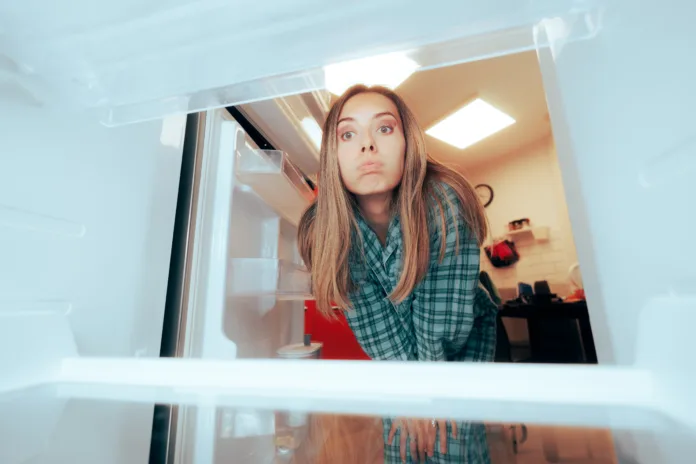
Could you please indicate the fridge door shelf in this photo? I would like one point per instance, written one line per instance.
(283, 122)
(265, 277)
(276, 180)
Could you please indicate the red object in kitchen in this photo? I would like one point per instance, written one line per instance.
(339, 341)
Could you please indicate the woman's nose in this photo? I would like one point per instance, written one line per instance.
(368, 145)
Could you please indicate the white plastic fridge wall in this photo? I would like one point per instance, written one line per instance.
(86, 221)
(621, 107)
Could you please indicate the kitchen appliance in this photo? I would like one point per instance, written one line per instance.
(128, 222)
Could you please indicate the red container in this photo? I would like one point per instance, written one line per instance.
(339, 341)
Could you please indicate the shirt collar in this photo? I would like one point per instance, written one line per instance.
(370, 237)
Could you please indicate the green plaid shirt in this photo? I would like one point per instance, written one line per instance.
(447, 317)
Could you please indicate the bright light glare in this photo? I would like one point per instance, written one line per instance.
(386, 70)
(312, 129)
(472, 123)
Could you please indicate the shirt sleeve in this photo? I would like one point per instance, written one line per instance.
(444, 313)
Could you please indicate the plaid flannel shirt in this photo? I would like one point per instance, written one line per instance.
(449, 316)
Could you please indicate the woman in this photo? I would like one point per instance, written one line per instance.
(394, 239)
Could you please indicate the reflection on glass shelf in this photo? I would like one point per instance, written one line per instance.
(263, 277)
(276, 180)
(49, 425)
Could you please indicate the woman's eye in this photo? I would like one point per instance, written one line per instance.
(346, 136)
(386, 130)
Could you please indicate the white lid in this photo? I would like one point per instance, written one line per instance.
(299, 350)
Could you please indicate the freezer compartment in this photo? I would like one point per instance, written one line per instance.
(269, 277)
(137, 61)
(264, 411)
(276, 180)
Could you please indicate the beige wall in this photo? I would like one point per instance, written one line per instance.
(528, 184)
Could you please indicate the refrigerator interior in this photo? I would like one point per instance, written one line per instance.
(87, 214)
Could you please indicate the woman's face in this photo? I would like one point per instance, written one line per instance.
(371, 144)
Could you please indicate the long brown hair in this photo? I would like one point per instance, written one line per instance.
(326, 228)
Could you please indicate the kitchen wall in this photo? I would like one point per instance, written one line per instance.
(527, 184)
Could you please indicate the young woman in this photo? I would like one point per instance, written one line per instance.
(394, 239)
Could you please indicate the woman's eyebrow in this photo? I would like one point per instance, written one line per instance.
(378, 115)
(384, 113)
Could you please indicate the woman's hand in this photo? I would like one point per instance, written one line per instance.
(422, 433)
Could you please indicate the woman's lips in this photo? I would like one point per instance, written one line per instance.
(370, 166)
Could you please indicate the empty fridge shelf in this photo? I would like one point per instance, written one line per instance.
(264, 277)
(276, 180)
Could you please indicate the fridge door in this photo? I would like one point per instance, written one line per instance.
(245, 285)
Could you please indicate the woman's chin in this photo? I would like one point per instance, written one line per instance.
(374, 187)
(373, 190)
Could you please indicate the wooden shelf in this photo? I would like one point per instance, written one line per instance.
(539, 234)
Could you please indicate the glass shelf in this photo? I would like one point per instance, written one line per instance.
(50, 423)
(276, 180)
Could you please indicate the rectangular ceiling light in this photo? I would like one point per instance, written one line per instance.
(313, 131)
(472, 123)
(388, 70)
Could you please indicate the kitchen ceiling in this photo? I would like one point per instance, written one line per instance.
(511, 83)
